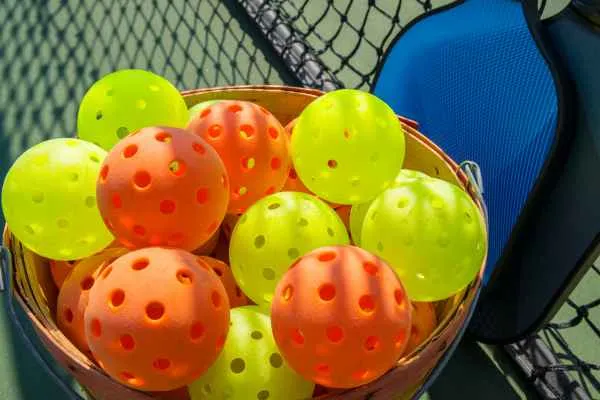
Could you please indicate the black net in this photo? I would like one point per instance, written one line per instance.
(330, 44)
(563, 359)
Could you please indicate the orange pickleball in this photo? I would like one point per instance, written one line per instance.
(163, 187)
(237, 298)
(60, 270)
(253, 146)
(340, 316)
(157, 318)
(424, 322)
(73, 296)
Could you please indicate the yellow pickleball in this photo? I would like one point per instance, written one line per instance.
(250, 365)
(347, 146)
(358, 211)
(49, 199)
(273, 233)
(431, 233)
(125, 101)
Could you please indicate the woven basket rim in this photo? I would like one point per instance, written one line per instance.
(387, 382)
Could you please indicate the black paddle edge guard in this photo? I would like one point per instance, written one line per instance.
(297, 54)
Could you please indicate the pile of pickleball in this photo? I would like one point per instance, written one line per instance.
(214, 248)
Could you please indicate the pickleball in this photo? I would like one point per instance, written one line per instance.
(424, 322)
(73, 296)
(273, 233)
(347, 146)
(156, 318)
(49, 199)
(358, 212)
(431, 233)
(253, 146)
(127, 100)
(250, 366)
(163, 187)
(341, 317)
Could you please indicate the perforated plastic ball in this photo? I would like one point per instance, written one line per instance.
(358, 212)
(197, 108)
(60, 270)
(253, 146)
(341, 317)
(273, 233)
(250, 366)
(163, 186)
(236, 297)
(424, 322)
(73, 296)
(431, 233)
(157, 318)
(49, 199)
(126, 100)
(347, 146)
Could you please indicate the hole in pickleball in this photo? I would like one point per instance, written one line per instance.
(164, 137)
(268, 274)
(257, 335)
(327, 256)
(259, 241)
(327, 292)
(37, 197)
(155, 310)
(130, 151)
(122, 132)
(127, 342)
(276, 360)
(117, 297)
(142, 179)
(185, 277)
(167, 206)
(273, 133)
(177, 167)
(237, 365)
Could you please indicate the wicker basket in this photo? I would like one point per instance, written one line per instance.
(29, 283)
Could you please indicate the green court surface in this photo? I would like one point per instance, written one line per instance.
(51, 53)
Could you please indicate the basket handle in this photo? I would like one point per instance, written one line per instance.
(6, 287)
(475, 181)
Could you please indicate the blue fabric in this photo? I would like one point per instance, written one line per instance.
(474, 79)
